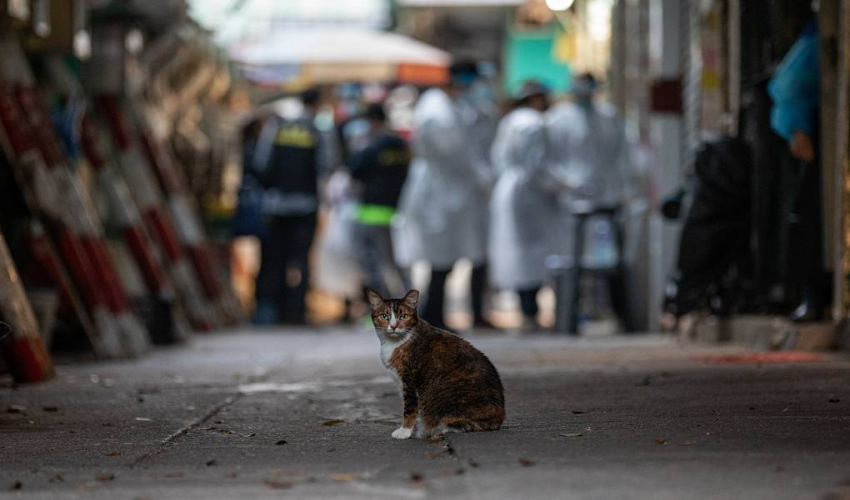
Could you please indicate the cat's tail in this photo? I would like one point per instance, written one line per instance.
(487, 418)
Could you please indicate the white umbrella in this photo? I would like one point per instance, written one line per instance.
(325, 55)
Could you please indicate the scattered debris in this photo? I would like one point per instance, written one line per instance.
(417, 478)
(277, 484)
(448, 449)
(474, 464)
(330, 450)
(834, 400)
(140, 399)
(571, 434)
(57, 479)
(526, 462)
(332, 422)
(212, 462)
(143, 419)
(460, 471)
(50, 409)
(113, 454)
(344, 476)
(645, 382)
(230, 475)
(16, 409)
(660, 441)
(281, 442)
(16, 486)
(105, 478)
(578, 412)
(686, 443)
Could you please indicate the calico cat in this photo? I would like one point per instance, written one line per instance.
(446, 383)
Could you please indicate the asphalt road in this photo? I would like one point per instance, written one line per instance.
(308, 414)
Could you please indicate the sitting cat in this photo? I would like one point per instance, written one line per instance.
(446, 383)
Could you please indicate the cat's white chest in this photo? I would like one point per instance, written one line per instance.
(388, 347)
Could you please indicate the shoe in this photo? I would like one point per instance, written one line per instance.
(482, 324)
(807, 311)
(529, 325)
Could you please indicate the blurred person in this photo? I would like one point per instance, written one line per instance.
(381, 168)
(287, 161)
(444, 202)
(590, 154)
(795, 90)
(524, 209)
(588, 145)
(248, 219)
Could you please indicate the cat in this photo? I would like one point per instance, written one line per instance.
(447, 385)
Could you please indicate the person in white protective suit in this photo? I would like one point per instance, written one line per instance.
(588, 146)
(590, 155)
(443, 208)
(524, 210)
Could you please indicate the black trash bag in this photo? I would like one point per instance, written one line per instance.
(714, 243)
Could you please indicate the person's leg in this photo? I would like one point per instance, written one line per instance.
(528, 302)
(806, 246)
(432, 311)
(394, 278)
(370, 256)
(271, 278)
(301, 232)
(477, 289)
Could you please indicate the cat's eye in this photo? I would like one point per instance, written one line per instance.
(385, 317)
(404, 317)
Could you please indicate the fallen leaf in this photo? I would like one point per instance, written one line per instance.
(16, 409)
(526, 462)
(660, 441)
(57, 479)
(834, 400)
(230, 475)
(281, 442)
(570, 434)
(212, 462)
(417, 477)
(16, 486)
(332, 422)
(105, 478)
(277, 484)
(113, 454)
(50, 409)
(474, 464)
(686, 443)
(344, 476)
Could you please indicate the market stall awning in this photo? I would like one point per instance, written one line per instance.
(341, 55)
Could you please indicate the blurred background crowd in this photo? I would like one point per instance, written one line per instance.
(174, 166)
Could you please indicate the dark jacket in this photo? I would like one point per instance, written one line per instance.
(382, 168)
(287, 166)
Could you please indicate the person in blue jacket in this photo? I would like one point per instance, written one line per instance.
(795, 91)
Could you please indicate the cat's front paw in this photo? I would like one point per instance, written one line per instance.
(402, 433)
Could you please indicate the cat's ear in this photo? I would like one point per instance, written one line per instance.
(411, 300)
(375, 298)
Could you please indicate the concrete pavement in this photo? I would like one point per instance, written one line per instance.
(308, 414)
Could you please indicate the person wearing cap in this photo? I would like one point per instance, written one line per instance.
(444, 202)
(524, 208)
(287, 165)
(381, 169)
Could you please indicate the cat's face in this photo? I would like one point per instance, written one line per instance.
(394, 318)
